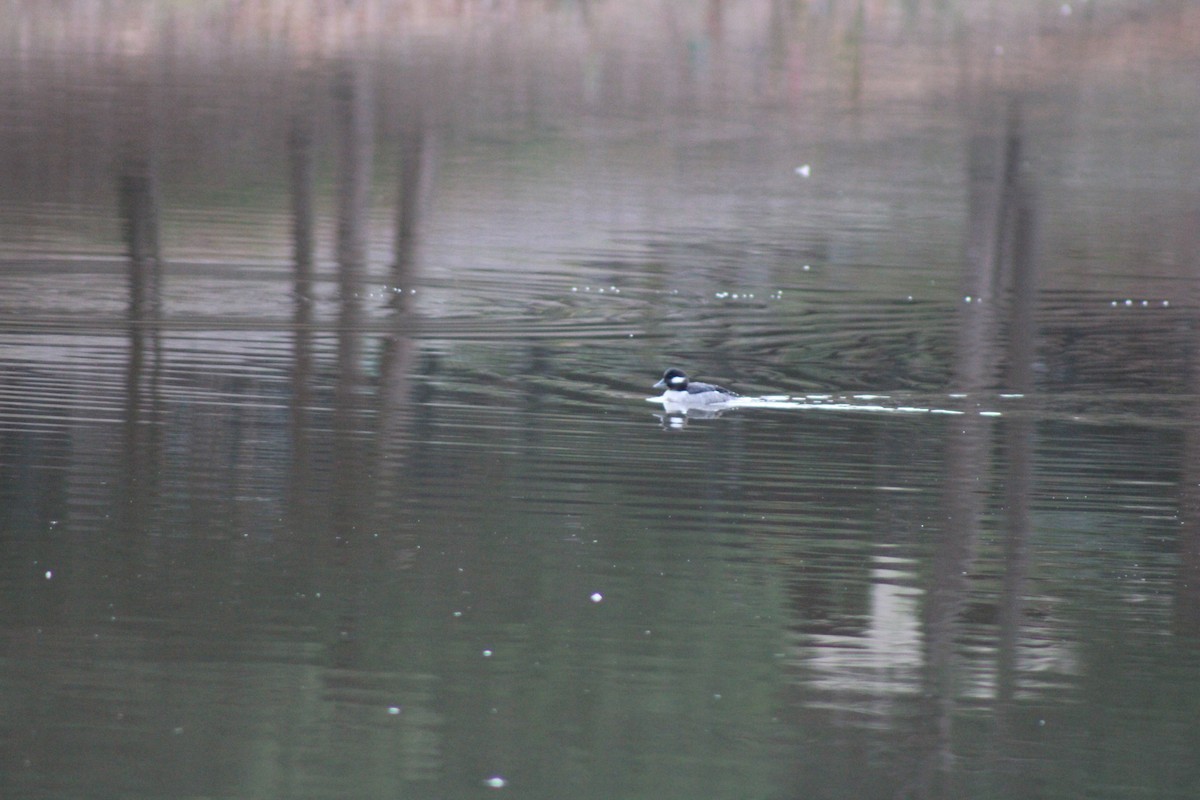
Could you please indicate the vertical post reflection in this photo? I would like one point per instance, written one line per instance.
(419, 151)
(138, 206)
(138, 193)
(1020, 353)
(1187, 602)
(992, 249)
(354, 144)
(418, 154)
(355, 151)
(301, 161)
(138, 202)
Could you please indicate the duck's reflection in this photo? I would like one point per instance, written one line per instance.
(676, 417)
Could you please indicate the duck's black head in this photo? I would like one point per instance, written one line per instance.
(673, 379)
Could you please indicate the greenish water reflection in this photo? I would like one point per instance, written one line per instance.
(325, 463)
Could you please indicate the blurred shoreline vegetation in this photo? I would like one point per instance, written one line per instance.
(601, 56)
(223, 83)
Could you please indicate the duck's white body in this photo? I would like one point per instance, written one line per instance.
(679, 391)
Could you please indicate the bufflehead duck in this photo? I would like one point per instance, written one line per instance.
(681, 391)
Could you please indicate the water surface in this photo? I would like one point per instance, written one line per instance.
(326, 466)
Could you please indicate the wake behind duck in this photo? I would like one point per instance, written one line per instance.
(693, 398)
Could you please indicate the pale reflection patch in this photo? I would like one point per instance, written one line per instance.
(884, 659)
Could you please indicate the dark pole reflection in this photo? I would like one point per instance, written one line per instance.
(301, 160)
(368, 427)
(418, 155)
(301, 168)
(138, 206)
(1020, 354)
(355, 151)
(994, 244)
(419, 152)
(138, 194)
(1187, 604)
(351, 546)
(140, 220)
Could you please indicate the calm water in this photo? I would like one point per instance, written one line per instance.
(326, 466)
